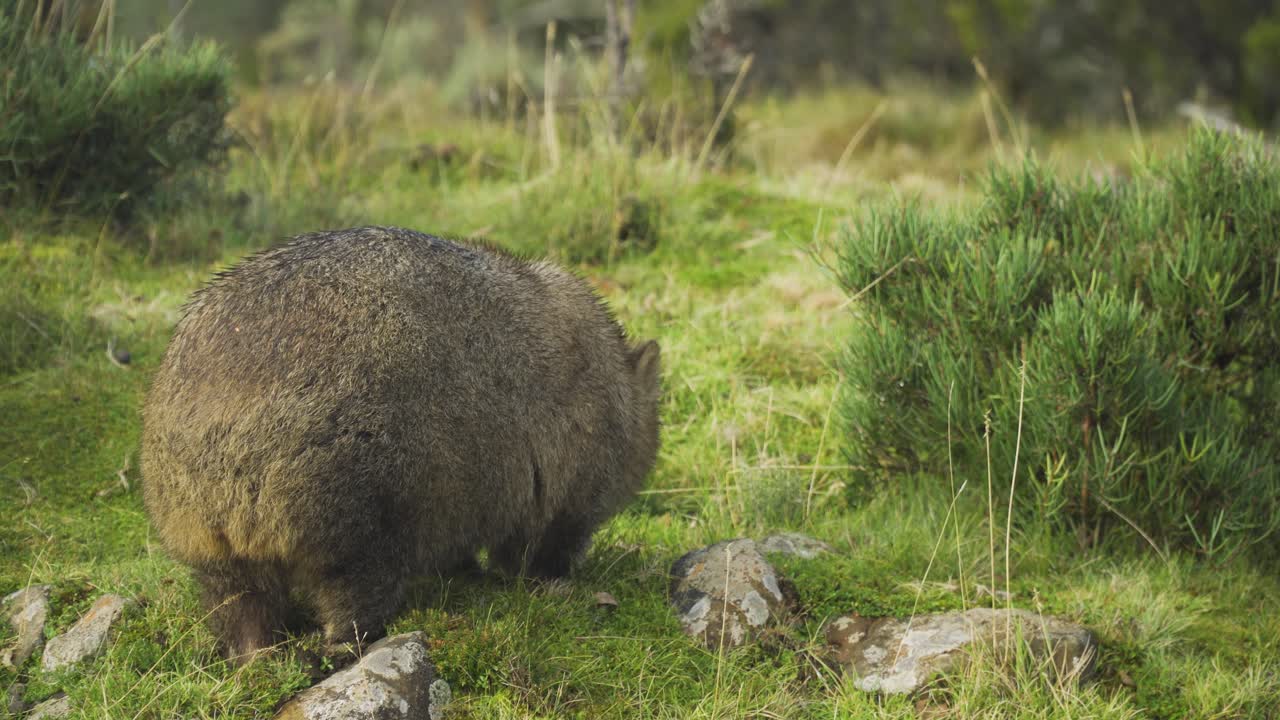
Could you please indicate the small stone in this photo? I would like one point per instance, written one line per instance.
(86, 637)
(55, 707)
(28, 609)
(394, 679)
(892, 655)
(726, 593)
(16, 704)
(796, 544)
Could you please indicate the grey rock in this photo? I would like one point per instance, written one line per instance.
(726, 593)
(893, 655)
(796, 544)
(54, 707)
(27, 609)
(394, 679)
(86, 637)
(15, 703)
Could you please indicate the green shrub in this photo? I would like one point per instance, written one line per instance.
(1148, 318)
(85, 132)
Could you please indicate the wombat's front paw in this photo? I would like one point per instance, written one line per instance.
(245, 639)
(243, 655)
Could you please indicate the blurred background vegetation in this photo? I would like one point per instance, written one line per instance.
(1059, 60)
(941, 81)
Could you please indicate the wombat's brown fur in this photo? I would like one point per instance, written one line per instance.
(352, 408)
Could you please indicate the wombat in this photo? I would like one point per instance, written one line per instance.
(349, 409)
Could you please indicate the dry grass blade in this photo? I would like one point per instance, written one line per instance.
(871, 285)
(1019, 142)
(1105, 503)
(1013, 482)
(1133, 125)
(951, 477)
(822, 442)
(550, 67)
(853, 144)
(366, 94)
(720, 116)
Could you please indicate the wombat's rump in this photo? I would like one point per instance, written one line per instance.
(352, 408)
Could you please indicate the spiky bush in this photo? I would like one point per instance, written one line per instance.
(86, 132)
(1146, 315)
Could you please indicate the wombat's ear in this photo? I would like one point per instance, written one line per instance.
(646, 363)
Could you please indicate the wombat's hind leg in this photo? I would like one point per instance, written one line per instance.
(552, 555)
(248, 605)
(564, 540)
(354, 601)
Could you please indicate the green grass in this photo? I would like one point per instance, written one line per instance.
(752, 326)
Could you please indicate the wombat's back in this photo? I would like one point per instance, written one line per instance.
(380, 376)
